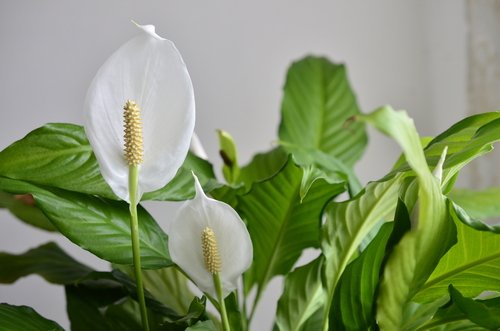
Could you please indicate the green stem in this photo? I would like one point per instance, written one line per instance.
(136, 248)
(223, 312)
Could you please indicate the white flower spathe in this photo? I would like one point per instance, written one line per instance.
(150, 71)
(233, 242)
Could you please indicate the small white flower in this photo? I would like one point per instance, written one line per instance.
(233, 244)
(149, 71)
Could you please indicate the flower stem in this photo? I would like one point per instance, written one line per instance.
(136, 248)
(223, 312)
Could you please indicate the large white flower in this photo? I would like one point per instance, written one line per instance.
(233, 244)
(149, 71)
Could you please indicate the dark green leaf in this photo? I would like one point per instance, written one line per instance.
(476, 311)
(84, 305)
(317, 102)
(22, 206)
(98, 225)
(461, 313)
(56, 155)
(302, 297)
(49, 261)
(24, 318)
(59, 155)
(353, 306)
(203, 326)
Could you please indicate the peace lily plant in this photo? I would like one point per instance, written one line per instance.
(407, 251)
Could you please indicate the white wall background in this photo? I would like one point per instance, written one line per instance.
(410, 54)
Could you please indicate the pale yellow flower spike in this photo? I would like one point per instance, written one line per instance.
(210, 251)
(134, 146)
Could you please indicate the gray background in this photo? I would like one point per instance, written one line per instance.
(414, 55)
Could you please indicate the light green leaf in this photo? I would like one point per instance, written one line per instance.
(419, 251)
(466, 140)
(349, 222)
(24, 318)
(472, 266)
(167, 285)
(21, 207)
(227, 151)
(302, 297)
(280, 225)
(98, 225)
(49, 261)
(477, 207)
(317, 102)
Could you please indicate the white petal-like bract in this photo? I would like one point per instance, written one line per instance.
(150, 71)
(233, 241)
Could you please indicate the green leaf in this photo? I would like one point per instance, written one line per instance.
(352, 308)
(182, 186)
(472, 266)
(227, 151)
(280, 225)
(21, 207)
(317, 102)
(478, 312)
(203, 326)
(101, 301)
(48, 261)
(263, 166)
(236, 320)
(474, 207)
(466, 140)
(417, 254)
(59, 155)
(169, 286)
(302, 297)
(325, 166)
(349, 222)
(124, 316)
(98, 225)
(24, 318)
(458, 313)
(84, 305)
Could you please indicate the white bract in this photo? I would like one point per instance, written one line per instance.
(233, 242)
(149, 71)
